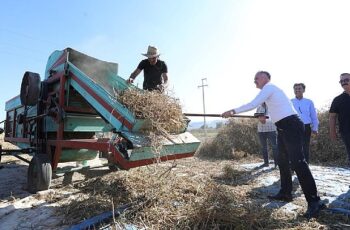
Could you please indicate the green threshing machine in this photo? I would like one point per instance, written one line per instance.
(56, 120)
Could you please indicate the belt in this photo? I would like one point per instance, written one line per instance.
(291, 117)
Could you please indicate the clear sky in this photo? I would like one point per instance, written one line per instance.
(225, 41)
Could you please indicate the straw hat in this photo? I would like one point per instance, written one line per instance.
(152, 52)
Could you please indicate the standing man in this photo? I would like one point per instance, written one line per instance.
(290, 130)
(307, 113)
(155, 71)
(266, 133)
(340, 108)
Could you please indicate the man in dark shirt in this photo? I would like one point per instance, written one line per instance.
(340, 108)
(155, 71)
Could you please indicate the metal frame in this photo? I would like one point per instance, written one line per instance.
(53, 147)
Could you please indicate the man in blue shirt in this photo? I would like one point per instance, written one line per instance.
(307, 113)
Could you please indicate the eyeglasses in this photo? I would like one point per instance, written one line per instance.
(346, 80)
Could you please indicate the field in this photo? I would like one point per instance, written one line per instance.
(201, 135)
(192, 193)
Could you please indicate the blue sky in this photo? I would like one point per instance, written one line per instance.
(225, 41)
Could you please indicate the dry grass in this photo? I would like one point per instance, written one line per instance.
(325, 151)
(241, 136)
(171, 202)
(200, 195)
(233, 141)
(162, 114)
(162, 111)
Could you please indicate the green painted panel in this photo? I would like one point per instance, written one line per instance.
(80, 124)
(69, 155)
(148, 153)
(13, 103)
(85, 124)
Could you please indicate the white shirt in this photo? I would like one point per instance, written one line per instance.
(276, 100)
(268, 126)
(307, 112)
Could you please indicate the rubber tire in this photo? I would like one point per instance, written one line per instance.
(113, 166)
(39, 173)
(30, 89)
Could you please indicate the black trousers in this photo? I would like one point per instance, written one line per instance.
(306, 143)
(290, 139)
(346, 140)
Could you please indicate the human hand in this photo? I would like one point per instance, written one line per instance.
(130, 80)
(229, 113)
(262, 119)
(161, 87)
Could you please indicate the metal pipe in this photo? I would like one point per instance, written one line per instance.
(96, 220)
(205, 122)
(15, 155)
(215, 115)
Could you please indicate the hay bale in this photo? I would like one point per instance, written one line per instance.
(322, 149)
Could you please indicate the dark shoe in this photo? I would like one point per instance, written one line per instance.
(313, 209)
(281, 197)
(264, 165)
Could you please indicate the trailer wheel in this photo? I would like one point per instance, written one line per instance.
(113, 166)
(30, 88)
(39, 173)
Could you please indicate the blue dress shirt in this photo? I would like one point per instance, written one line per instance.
(307, 112)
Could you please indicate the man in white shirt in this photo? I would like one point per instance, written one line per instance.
(290, 131)
(307, 113)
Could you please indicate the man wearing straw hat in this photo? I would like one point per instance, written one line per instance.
(155, 71)
(290, 130)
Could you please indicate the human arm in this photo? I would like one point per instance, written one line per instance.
(164, 76)
(314, 119)
(263, 95)
(133, 75)
(228, 113)
(164, 82)
(332, 126)
(262, 119)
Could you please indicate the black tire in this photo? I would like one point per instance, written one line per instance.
(113, 166)
(30, 89)
(39, 173)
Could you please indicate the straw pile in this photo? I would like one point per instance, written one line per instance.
(200, 195)
(162, 111)
(169, 201)
(322, 149)
(239, 135)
